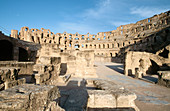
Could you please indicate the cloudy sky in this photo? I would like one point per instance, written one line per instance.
(73, 16)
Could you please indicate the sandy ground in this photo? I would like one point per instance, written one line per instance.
(150, 97)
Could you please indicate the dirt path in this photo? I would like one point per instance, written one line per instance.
(150, 97)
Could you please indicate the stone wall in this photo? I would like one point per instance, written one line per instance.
(18, 50)
(30, 97)
(26, 68)
(9, 77)
(107, 44)
(78, 63)
(147, 63)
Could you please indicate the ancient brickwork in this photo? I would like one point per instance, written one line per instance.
(30, 97)
(107, 44)
(9, 77)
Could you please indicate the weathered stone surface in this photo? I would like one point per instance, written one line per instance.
(9, 77)
(74, 99)
(25, 67)
(111, 95)
(30, 97)
(133, 60)
(48, 70)
(101, 99)
(164, 78)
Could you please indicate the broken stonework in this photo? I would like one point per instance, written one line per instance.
(9, 77)
(110, 96)
(164, 78)
(30, 97)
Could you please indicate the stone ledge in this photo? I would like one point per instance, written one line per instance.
(30, 97)
(111, 95)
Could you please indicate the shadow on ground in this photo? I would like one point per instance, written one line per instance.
(150, 78)
(74, 96)
(117, 68)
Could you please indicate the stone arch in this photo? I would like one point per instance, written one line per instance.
(76, 46)
(90, 46)
(95, 46)
(111, 55)
(154, 67)
(6, 49)
(117, 44)
(164, 53)
(60, 40)
(23, 54)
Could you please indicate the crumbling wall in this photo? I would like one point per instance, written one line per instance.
(78, 63)
(110, 95)
(17, 48)
(106, 44)
(9, 77)
(30, 97)
(145, 62)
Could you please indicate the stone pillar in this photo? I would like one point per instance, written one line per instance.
(138, 74)
(14, 34)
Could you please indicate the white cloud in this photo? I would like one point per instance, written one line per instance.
(100, 9)
(76, 27)
(118, 23)
(147, 11)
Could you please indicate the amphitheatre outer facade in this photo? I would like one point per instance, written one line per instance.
(37, 66)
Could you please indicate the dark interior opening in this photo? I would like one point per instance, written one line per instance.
(6, 49)
(164, 53)
(23, 54)
(153, 68)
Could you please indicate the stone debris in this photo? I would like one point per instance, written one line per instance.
(30, 98)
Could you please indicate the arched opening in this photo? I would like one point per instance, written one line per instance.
(90, 46)
(38, 40)
(76, 46)
(41, 35)
(6, 49)
(95, 46)
(59, 40)
(103, 46)
(164, 53)
(111, 55)
(33, 38)
(116, 54)
(117, 44)
(23, 54)
(153, 68)
(86, 45)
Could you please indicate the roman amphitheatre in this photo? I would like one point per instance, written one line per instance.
(127, 69)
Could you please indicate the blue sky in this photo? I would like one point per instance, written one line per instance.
(73, 16)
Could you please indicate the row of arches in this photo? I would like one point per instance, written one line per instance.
(7, 52)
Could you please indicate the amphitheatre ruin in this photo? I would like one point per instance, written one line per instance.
(127, 69)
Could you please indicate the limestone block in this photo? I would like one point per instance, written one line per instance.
(164, 78)
(126, 99)
(101, 99)
(10, 84)
(123, 97)
(30, 97)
